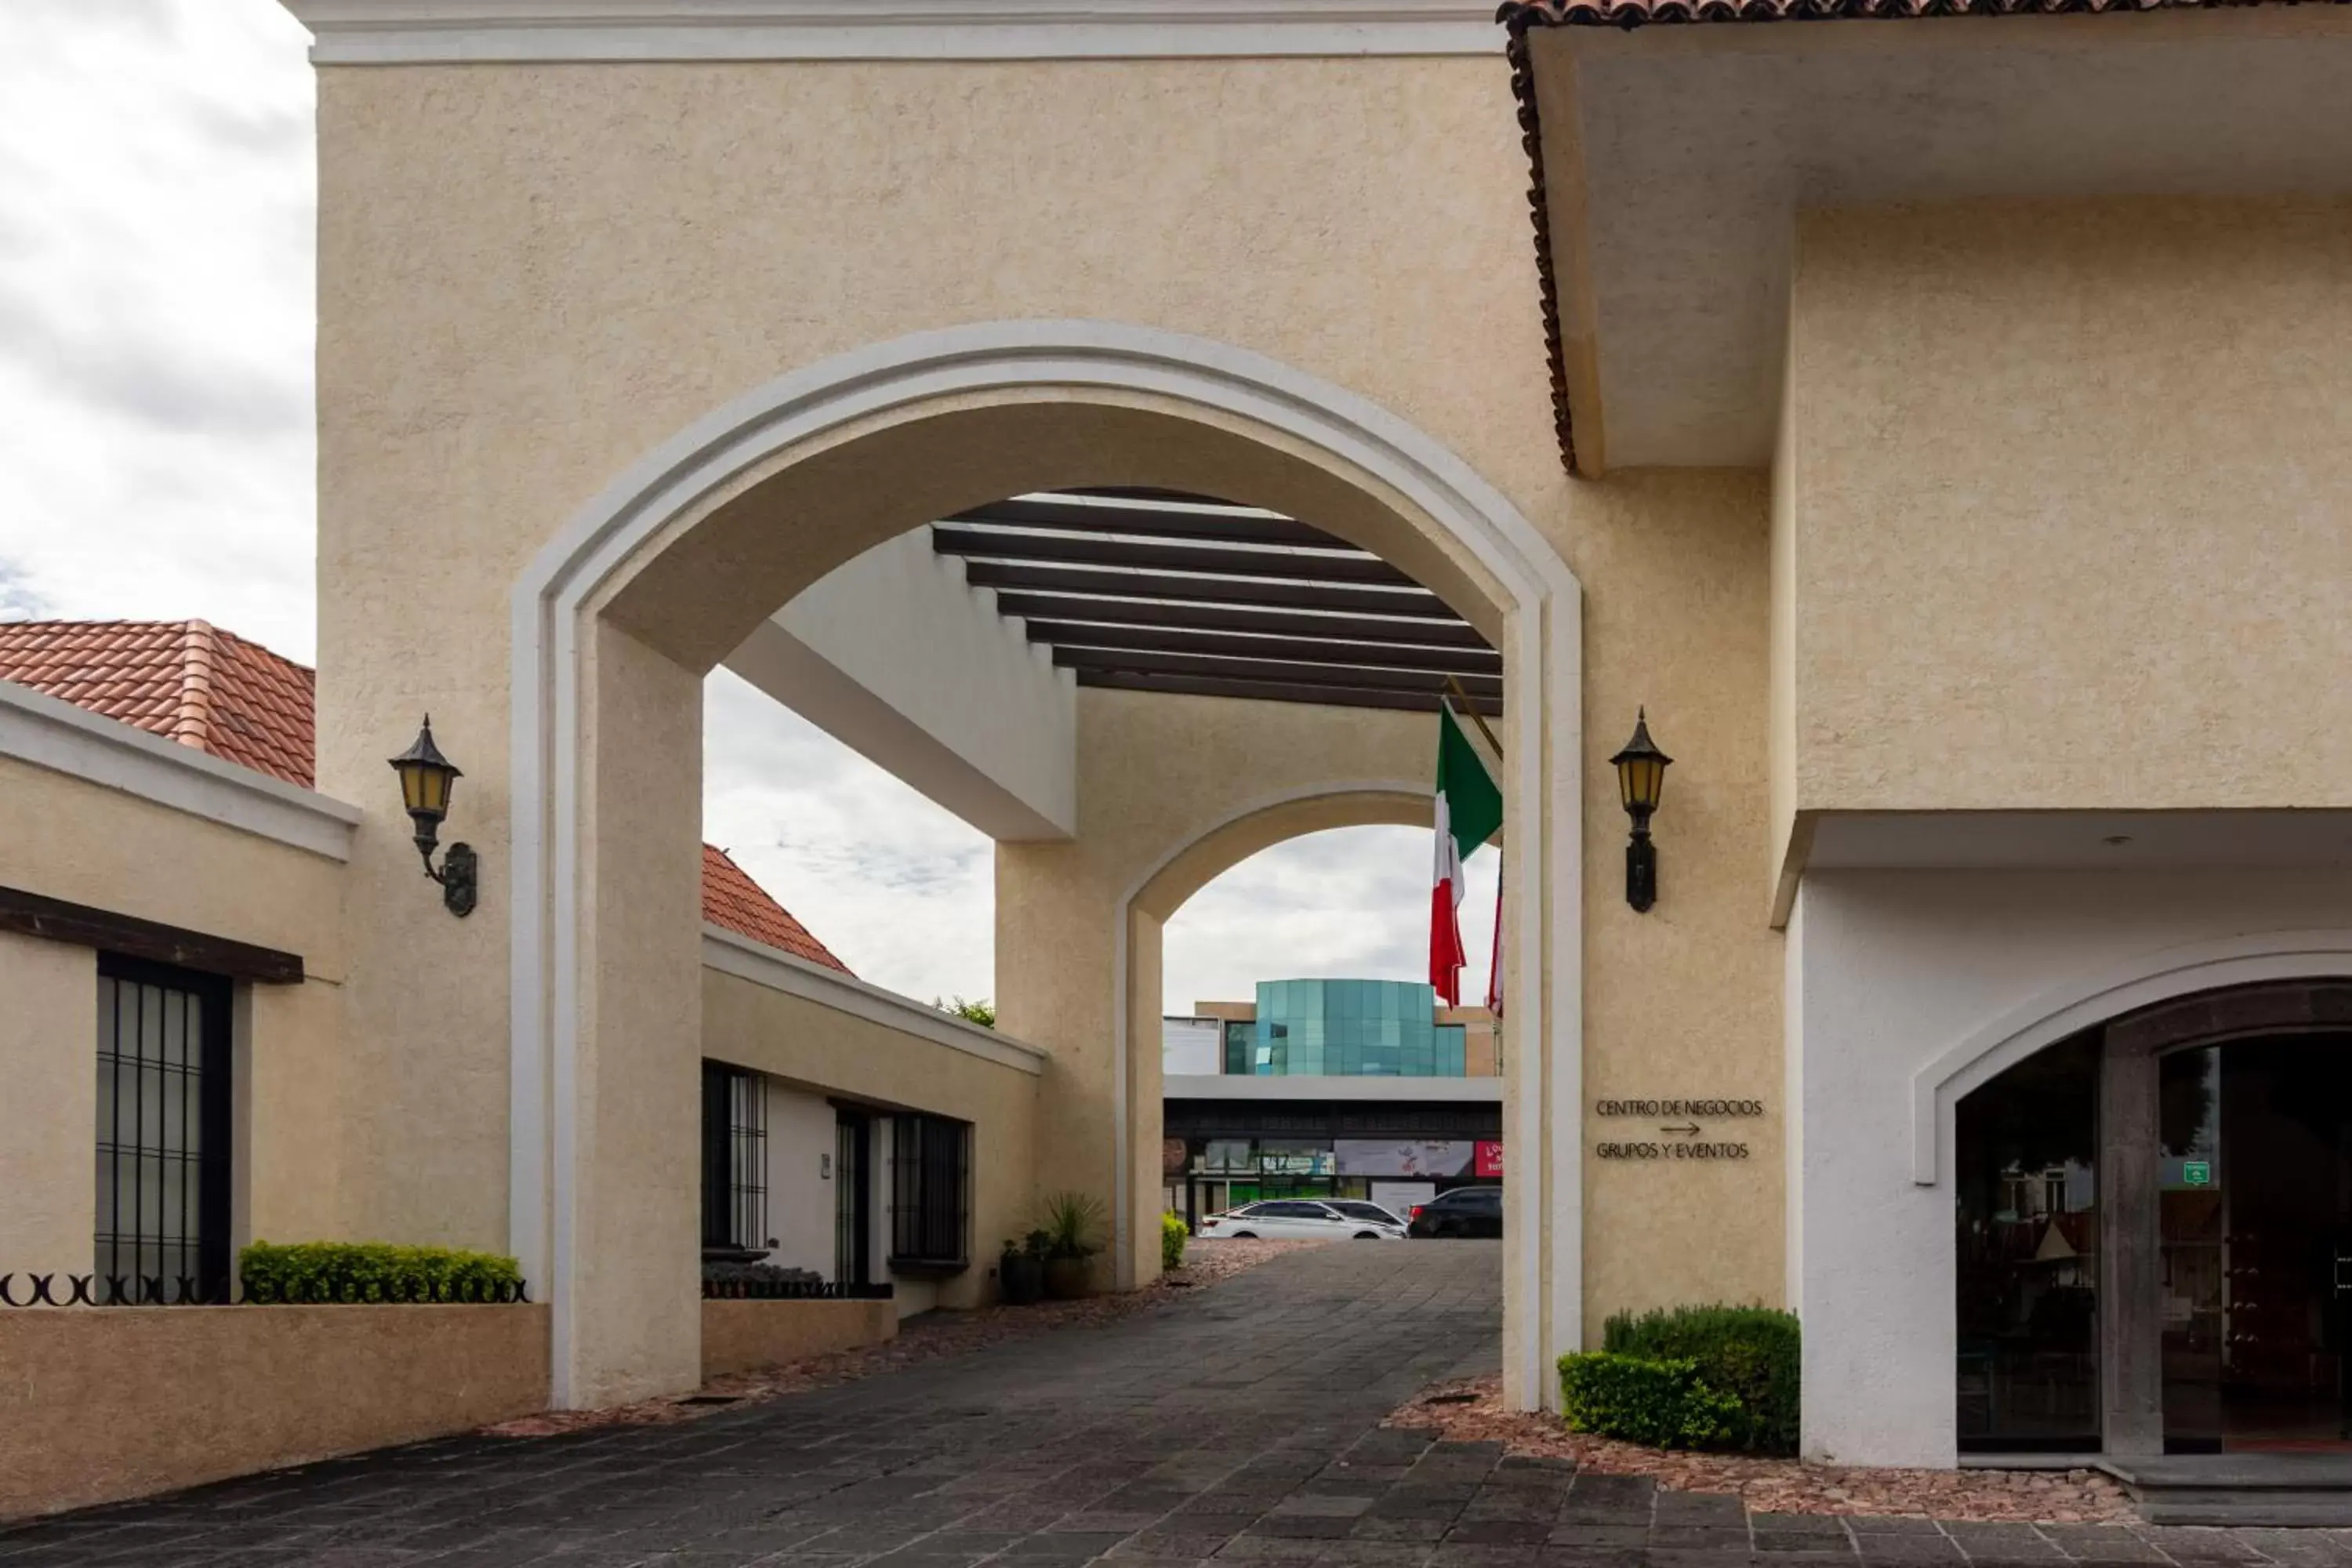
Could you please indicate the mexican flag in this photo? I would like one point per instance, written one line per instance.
(1469, 813)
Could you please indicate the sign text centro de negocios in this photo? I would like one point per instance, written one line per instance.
(1679, 1119)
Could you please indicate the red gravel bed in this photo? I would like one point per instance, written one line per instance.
(1472, 1411)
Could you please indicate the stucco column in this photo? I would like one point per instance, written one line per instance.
(1057, 956)
(626, 1276)
(2131, 1255)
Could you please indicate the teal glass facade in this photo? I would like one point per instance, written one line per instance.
(1345, 1028)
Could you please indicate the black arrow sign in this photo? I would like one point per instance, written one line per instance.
(1692, 1128)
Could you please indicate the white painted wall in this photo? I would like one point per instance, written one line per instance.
(1191, 1046)
(894, 654)
(1890, 971)
(800, 1180)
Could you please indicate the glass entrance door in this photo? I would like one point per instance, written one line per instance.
(2193, 1231)
(2028, 1215)
(2257, 1236)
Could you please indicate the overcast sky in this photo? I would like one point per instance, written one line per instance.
(156, 460)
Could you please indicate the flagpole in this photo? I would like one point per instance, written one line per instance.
(1464, 697)
(1495, 959)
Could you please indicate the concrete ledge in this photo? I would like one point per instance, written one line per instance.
(740, 1335)
(102, 1403)
(1303, 1085)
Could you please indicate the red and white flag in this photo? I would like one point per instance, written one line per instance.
(1469, 813)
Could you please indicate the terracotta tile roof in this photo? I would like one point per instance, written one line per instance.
(186, 681)
(730, 898)
(1519, 17)
(193, 683)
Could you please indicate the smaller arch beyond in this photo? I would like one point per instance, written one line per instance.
(1277, 819)
(2164, 975)
(1184, 870)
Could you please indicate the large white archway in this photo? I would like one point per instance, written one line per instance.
(552, 605)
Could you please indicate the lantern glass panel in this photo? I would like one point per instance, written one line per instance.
(1640, 781)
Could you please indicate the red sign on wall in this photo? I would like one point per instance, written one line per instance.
(1489, 1160)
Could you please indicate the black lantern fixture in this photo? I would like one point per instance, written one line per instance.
(1641, 780)
(426, 777)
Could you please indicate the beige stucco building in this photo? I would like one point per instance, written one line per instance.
(1938, 427)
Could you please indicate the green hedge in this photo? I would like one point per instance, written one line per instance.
(1751, 1353)
(316, 1272)
(1660, 1404)
(1172, 1237)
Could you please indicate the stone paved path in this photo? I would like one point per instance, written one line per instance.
(1238, 1429)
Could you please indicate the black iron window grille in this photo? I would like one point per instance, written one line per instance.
(734, 1159)
(852, 1227)
(931, 1194)
(164, 1128)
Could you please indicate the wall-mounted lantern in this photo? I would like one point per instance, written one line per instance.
(1641, 780)
(426, 777)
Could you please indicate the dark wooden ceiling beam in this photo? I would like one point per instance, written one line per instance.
(1237, 645)
(1285, 620)
(1319, 566)
(1148, 522)
(1419, 606)
(1149, 492)
(1434, 683)
(1277, 691)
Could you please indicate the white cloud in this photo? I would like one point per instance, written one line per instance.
(156, 203)
(901, 890)
(1350, 903)
(157, 206)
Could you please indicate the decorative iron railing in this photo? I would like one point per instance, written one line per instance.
(55, 1289)
(60, 1290)
(793, 1290)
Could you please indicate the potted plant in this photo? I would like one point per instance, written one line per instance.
(1073, 1231)
(1021, 1276)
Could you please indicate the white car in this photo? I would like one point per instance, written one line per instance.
(1301, 1219)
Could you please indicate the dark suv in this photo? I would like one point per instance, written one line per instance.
(1465, 1211)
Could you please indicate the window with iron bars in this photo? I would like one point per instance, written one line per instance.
(163, 1130)
(930, 1192)
(734, 1159)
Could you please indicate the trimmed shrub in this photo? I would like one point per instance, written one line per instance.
(1173, 1238)
(1751, 1353)
(1659, 1404)
(312, 1273)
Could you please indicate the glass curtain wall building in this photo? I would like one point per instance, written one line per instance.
(1287, 1128)
(1345, 1028)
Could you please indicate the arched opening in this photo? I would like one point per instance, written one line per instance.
(2154, 1231)
(1306, 1057)
(683, 557)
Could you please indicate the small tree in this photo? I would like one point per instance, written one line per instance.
(981, 1010)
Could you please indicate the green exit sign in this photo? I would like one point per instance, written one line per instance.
(2196, 1173)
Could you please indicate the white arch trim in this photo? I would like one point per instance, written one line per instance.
(607, 534)
(2141, 982)
(1124, 1041)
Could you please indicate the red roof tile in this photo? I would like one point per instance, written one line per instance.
(1520, 15)
(730, 898)
(193, 683)
(186, 681)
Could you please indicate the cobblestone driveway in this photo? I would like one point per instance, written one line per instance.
(1238, 1429)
